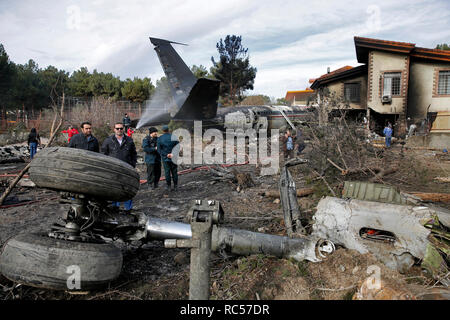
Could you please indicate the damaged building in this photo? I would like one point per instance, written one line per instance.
(397, 82)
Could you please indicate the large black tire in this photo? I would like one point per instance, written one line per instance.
(86, 172)
(37, 260)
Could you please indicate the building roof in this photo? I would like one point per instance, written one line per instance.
(432, 54)
(341, 73)
(299, 95)
(364, 45)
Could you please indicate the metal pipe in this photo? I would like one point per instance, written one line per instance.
(199, 270)
(160, 229)
(244, 242)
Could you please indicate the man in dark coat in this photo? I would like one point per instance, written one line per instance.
(85, 140)
(299, 141)
(152, 158)
(127, 123)
(121, 147)
(165, 145)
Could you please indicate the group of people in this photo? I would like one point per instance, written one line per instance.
(160, 150)
(121, 146)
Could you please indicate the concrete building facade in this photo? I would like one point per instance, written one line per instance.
(398, 82)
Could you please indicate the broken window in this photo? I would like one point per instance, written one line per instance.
(391, 84)
(351, 92)
(444, 82)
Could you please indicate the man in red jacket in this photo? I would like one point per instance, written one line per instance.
(71, 132)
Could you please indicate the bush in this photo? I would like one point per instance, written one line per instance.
(102, 132)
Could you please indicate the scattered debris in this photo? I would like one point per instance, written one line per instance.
(442, 179)
(378, 219)
(276, 194)
(381, 291)
(433, 197)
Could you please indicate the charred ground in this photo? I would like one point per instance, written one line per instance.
(151, 271)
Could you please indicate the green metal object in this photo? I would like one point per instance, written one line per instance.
(373, 192)
(433, 262)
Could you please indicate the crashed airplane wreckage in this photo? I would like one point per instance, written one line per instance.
(398, 229)
(395, 227)
(196, 99)
(83, 239)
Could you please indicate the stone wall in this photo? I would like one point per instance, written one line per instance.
(432, 140)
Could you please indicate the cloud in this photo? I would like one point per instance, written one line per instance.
(289, 41)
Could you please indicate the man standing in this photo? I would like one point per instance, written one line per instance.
(126, 122)
(299, 142)
(288, 145)
(121, 147)
(85, 140)
(152, 157)
(165, 146)
(388, 134)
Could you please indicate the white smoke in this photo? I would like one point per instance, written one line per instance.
(159, 103)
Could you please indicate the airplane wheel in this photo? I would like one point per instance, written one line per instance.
(82, 171)
(37, 260)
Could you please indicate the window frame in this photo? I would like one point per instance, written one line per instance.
(356, 83)
(438, 72)
(392, 77)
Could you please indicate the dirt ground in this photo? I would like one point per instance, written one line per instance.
(153, 272)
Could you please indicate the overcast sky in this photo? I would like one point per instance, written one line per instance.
(289, 42)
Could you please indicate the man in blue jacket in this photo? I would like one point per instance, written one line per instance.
(152, 158)
(388, 134)
(165, 146)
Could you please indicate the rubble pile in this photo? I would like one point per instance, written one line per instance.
(14, 153)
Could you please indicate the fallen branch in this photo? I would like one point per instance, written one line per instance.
(223, 175)
(342, 156)
(294, 162)
(343, 171)
(434, 197)
(347, 171)
(383, 173)
(442, 179)
(276, 194)
(325, 181)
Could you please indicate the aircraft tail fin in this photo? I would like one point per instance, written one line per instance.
(194, 98)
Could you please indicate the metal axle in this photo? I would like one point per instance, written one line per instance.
(244, 242)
